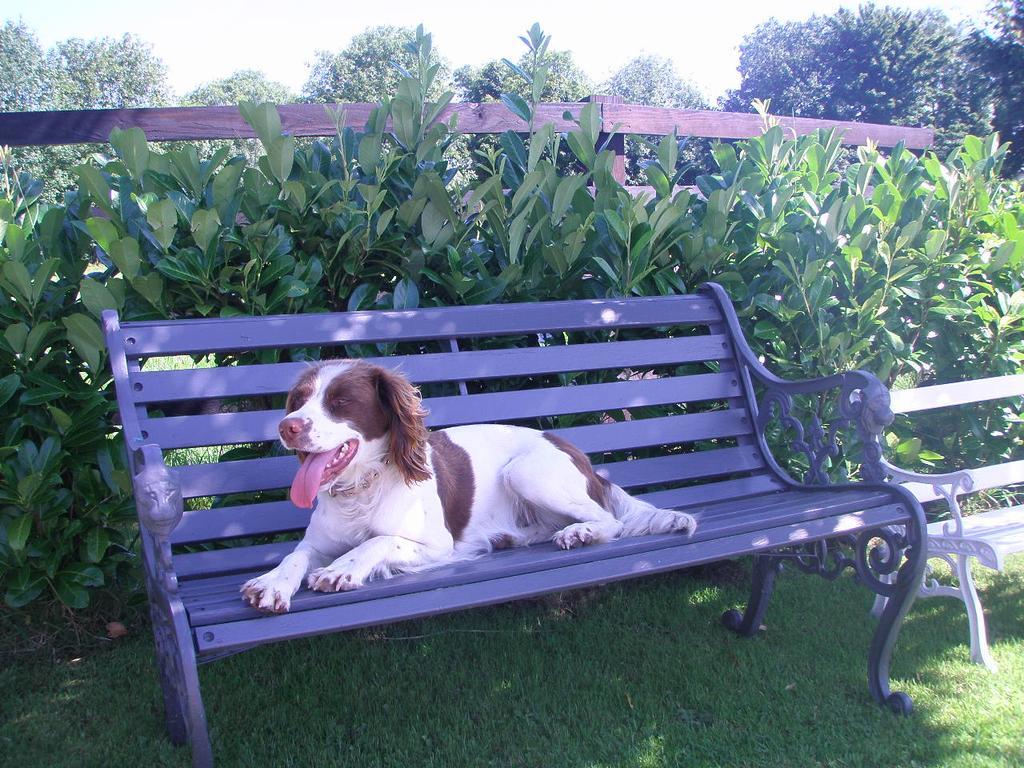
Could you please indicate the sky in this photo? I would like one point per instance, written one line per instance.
(203, 41)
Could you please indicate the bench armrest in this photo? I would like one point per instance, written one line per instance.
(863, 403)
(160, 508)
(946, 486)
(954, 483)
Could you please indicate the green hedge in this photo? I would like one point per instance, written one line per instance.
(910, 267)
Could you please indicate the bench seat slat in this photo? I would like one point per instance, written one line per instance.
(989, 536)
(713, 521)
(217, 599)
(283, 331)
(278, 516)
(264, 556)
(258, 426)
(470, 365)
(556, 576)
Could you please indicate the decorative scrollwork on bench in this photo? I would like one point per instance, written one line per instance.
(863, 402)
(815, 442)
(874, 556)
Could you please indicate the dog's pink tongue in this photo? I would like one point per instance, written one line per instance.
(307, 479)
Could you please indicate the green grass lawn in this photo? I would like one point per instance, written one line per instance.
(636, 674)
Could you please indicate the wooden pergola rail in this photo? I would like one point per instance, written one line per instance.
(84, 126)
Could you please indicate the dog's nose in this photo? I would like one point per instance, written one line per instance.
(291, 427)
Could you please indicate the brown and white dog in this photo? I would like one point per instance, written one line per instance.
(393, 497)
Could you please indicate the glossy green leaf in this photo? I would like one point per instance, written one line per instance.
(96, 297)
(125, 255)
(9, 384)
(205, 228)
(18, 530)
(87, 339)
(132, 148)
(163, 218)
(91, 180)
(71, 592)
(406, 295)
(24, 586)
(94, 545)
(264, 119)
(282, 158)
(517, 105)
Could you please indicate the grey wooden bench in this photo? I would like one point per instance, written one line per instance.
(663, 393)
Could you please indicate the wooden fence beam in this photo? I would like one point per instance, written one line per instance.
(194, 123)
(83, 126)
(659, 121)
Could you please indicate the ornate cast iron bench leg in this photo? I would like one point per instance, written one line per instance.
(900, 594)
(762, 585)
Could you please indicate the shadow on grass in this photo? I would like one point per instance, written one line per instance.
(636, 674)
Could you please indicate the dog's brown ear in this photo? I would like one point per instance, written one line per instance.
(407, 432)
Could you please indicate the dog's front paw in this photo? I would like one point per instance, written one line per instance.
(684, 523)
(264, 594)
(575, 535)
(332, 580)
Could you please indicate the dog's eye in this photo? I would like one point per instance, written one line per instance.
(338, 402)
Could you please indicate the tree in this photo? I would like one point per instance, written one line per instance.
(21, 68)
(878, 65)
(74, 74)
(365, 71)
(243, 85)
(565, 81)
(654, 81)
(1000, 52)
(105, 73)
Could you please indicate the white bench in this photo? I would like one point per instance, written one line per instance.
(987, 536)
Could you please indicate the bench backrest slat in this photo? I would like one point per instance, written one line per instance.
(280, 516)
(964, 393)
(262, 556)
(957, 393)
(482, 365)
(256, 426)
(276, 472)
(710, 492)
(982, 479)
(215, 479)
(285, 331)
